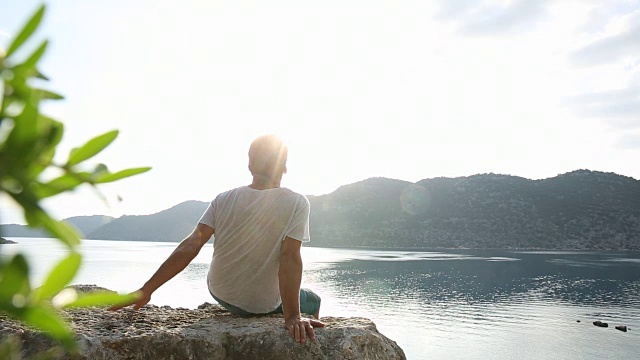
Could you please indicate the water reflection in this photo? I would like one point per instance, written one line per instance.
(444, 304)
(469, 304)
(195, 271)
(431, 278)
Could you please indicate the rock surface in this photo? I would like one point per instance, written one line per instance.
(209, 332)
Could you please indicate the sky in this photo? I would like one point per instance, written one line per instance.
(400, 89)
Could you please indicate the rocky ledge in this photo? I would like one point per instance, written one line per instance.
(208, 332)
(5, 241)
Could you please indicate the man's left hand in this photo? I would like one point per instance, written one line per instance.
(144, 296)
(300, 327)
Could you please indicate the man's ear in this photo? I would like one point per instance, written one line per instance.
(285, 169)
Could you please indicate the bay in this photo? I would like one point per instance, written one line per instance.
(461, 304)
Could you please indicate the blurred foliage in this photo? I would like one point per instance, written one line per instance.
(28, 142)
(11, 349)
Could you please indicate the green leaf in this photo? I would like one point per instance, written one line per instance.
(102, 298)
(47, 320)
(59, 277)
(28, 67)
(11, 106)
(121, 174)
(100, 170)
(56, 130)
(60, 184)
(46, 94)
(26, 125)
(62, 231)
(33, 59)
(29, 204)
(40, 75)
(36, 216)
(10, 348)
(27, 31)
(14, 281)
(91, 148)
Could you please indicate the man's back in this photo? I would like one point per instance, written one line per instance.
(259, 229)
(249, 227)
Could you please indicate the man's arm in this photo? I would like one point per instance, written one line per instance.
(290, 277)
(175, 263)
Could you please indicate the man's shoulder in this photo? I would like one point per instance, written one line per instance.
(225, 194)
(282, 191)
(297, 195)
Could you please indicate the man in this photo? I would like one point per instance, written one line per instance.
(256, 266)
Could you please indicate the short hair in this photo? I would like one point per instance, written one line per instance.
(268, 156)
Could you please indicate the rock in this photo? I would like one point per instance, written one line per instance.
(600, 323)
(89, 288)
(622, 328)
(6, 241)
(208, 332)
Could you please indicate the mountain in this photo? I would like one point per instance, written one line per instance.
(358, 214)
(89, 224)
(173, 224)
(84, 224)
(578, 210)
(582, 209)
(15, 230)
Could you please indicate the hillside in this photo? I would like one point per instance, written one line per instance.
(578, 210)
(173, 224)
(84, 224)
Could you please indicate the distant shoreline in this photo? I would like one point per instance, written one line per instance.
(6, 241)
(467, 249)
(380, 248)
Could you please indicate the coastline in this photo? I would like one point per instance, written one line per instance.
(381, 248)
(4, 241)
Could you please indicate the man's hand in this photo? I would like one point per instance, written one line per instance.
(175, 263)
(300, 327)
(142, 300)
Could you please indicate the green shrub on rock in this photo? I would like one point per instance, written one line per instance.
(28, 142)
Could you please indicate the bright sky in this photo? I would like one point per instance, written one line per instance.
(401, 89)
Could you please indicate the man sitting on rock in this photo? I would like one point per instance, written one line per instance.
(256, 266)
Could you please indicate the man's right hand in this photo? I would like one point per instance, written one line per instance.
(300, 327)
(143, 299)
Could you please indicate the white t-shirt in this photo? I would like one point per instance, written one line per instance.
(249, 226)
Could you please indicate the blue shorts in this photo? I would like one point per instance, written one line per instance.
(309, 304)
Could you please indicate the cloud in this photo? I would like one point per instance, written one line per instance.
(517, 16)
(621, 107)
(610, 49)
(489, 18)
(453, 9)
(615, 57)
(602, 14)
(630, 141)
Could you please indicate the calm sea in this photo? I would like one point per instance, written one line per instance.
(437, 304)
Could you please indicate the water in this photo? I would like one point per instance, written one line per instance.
(453, 304)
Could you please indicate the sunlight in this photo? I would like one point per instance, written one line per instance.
(404, 92)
